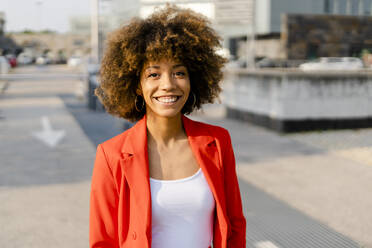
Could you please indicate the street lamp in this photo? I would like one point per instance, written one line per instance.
(96, 31)
(39, 14)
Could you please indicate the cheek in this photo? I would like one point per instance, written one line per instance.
(147, 92)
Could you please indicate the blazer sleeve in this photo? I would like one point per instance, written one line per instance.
(237, 239)
(103, 216)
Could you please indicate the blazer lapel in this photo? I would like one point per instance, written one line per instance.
(204, 147)
(136, 171)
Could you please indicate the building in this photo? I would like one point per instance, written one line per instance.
(270, 22)
(37, 44)
(115, 13)
(333, 36)
(79, 25)
(121, 12)
(263, 21)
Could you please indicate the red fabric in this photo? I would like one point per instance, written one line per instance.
(120, 204)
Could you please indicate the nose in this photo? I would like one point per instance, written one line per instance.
(167, 82)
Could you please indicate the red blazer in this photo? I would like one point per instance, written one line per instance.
(120, 204)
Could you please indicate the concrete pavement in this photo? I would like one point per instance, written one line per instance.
(299, 190)
(44, 191)
(312, 188)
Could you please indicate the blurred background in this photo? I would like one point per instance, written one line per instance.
(297, 101)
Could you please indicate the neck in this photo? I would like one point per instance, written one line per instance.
(164, 131)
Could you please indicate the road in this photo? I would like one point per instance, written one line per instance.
(299, 190)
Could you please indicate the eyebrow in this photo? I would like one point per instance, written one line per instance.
(178, 65)
(158, 67)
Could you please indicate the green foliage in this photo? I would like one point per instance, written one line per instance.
(27, 31)
(47, 31)
(365, 52)
(30, 31)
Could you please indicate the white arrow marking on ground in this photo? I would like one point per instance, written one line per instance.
(48, 135)
(265, 244)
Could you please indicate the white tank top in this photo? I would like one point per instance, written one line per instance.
(182, 212)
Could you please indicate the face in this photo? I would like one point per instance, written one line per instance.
(165, 87)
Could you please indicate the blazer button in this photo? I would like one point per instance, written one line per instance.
(134, 235)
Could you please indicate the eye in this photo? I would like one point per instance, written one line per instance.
(153, 75)
(180, 74)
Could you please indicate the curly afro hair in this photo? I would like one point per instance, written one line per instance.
(171, 33)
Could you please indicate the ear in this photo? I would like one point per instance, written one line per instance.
(139, 90)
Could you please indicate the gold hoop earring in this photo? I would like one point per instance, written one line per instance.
(136, 103)
(194, 102)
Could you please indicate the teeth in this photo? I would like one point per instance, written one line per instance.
(167, 99)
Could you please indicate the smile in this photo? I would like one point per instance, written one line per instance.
(167, 99)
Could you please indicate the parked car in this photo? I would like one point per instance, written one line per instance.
(265, 63)
(12, 60)
(61, 60)
(4, 65)
(74, 61)
(333, 63)
(43, 60)
(24, 59)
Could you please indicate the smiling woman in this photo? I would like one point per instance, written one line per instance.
(174, 34)
(168, 181)
(165, 87)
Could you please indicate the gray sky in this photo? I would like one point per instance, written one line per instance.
(50, 14)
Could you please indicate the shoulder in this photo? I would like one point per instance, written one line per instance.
(113, 147)
(116, 142)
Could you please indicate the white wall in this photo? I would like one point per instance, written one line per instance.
(297, 96)
(271, 48)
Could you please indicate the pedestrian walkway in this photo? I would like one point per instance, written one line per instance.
(298, 190)
(44, 189)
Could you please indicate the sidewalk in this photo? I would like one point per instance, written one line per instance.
(300, 190)
(303, 190)
(44, 191)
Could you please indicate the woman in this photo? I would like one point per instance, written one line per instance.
(168, 181)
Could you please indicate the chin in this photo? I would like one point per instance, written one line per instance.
(165, 113)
